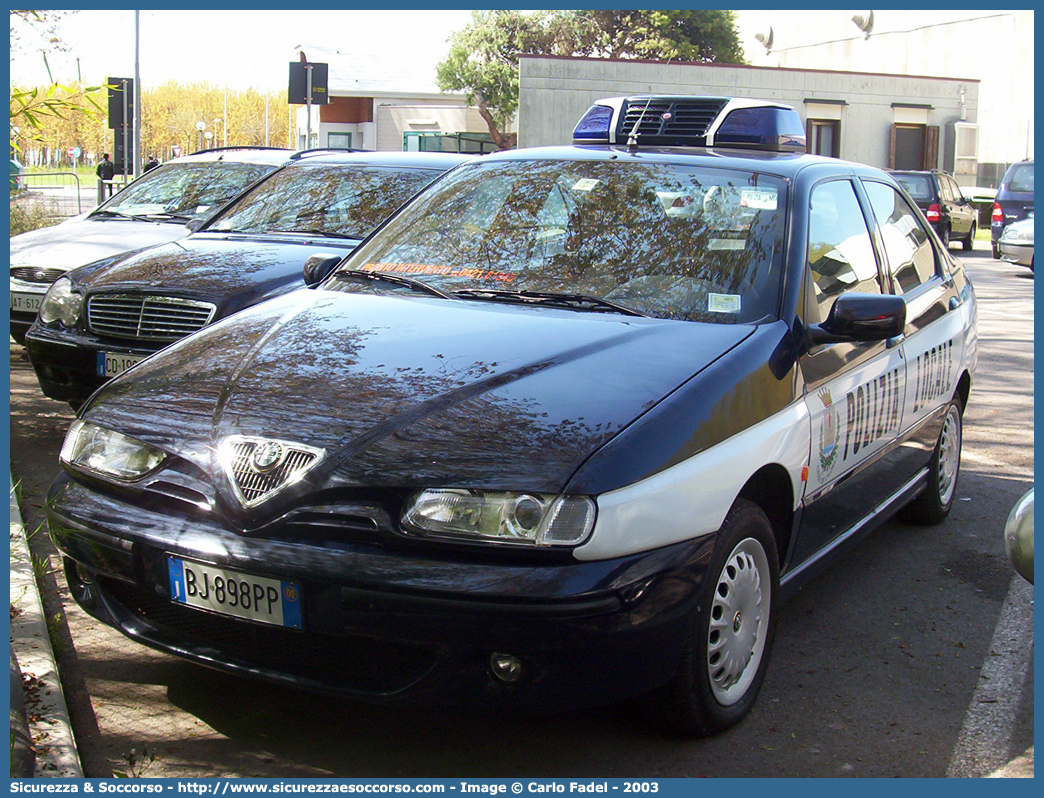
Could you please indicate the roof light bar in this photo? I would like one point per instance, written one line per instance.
(685, 121)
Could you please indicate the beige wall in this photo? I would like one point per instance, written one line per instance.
(555, 92)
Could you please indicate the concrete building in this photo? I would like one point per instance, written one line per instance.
(387, 105)
(886, 120)
(996, 47)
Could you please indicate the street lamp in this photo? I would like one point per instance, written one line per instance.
(208, 136)
(201, 126)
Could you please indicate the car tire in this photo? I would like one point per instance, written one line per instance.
(996, 251)
(945, 236)
(969, 242)
(714, 688)
(934, 503)
(19, 337)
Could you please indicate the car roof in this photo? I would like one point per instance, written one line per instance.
(784, 164)
(274, 156)
(406, 160)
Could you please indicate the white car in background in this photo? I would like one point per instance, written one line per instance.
(154, 209)
(1016, 243)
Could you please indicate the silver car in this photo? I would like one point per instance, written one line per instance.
(1016, 243)
(154, 209)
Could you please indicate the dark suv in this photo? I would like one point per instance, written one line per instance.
(1014, 200)
(945, 206)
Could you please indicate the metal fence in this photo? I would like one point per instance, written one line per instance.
(56, 194)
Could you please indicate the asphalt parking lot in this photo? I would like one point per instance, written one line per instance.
(910, 657)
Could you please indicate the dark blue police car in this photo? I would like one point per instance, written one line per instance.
(565, 431)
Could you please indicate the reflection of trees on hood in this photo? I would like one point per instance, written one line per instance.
(385, 416)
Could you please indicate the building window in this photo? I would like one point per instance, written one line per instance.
(339, 141)
(823, 137)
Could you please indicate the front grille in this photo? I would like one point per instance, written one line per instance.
(32, 274)
(146, 318)
(686, 123)
(349, 662)
(254, 484)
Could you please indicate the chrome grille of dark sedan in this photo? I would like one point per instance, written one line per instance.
(34, 274)
(146, 318)
(254, 483)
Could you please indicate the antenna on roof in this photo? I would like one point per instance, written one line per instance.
(632, 137)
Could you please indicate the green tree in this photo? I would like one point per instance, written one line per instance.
(483, 57)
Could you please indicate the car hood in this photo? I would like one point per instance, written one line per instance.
(229, 270)
(85, 239)
(411, 391)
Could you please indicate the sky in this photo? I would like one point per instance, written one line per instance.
(240, 49)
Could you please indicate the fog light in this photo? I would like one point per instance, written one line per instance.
(81, 583)
(505, 667)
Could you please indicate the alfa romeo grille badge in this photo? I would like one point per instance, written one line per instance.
(259, 468)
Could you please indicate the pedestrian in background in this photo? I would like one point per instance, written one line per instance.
(105, 171)
(152, 163)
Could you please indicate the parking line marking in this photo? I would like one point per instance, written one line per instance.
(985, 737)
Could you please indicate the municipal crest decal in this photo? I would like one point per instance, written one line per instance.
(829, 435)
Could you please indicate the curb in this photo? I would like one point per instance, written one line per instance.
(56, 754)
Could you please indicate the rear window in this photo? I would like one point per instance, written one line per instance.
(917, 186)
(666, 240)
(1021, 178)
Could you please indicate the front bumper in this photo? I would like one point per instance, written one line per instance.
(66, 361)
(390, 625)
(1019, 253)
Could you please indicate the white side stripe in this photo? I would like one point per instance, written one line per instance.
(690, 500)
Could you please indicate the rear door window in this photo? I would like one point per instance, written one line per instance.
(911, 258)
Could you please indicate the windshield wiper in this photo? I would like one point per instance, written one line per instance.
(574, 301)
(315, 232)
(166, 216)
(416, 285)
(133, 217)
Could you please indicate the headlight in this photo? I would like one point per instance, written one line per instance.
(1012, 234)
(108, 454)
(529, 518)
(61, 304)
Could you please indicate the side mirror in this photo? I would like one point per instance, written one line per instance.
(194, 224)
(318, 267)
(861, 317)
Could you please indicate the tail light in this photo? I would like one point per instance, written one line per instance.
(934, 213)
(998, 214)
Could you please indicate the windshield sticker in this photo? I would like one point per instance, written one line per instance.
(719, 244)
(723, 303)
(759, 199)
(441, 271)
(585, 184)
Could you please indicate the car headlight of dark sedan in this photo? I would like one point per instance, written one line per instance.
(501, 517)
(108, 454)
(61, 304)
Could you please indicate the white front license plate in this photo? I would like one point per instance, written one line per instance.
(254, 598)
(28, 302)
(111, 364)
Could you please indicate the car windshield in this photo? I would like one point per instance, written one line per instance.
(917, 186)
(341, 200)
(663, 240)
(184, 190)
(1021, 178)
